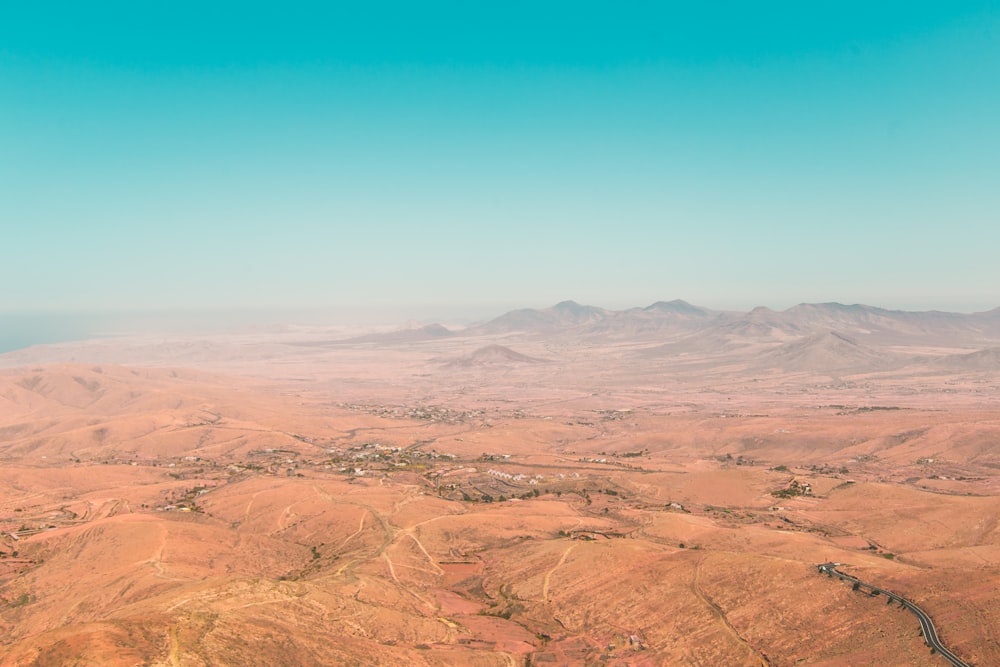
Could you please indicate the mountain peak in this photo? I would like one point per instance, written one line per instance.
(675, 306)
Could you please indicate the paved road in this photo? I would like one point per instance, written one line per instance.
(926, 624)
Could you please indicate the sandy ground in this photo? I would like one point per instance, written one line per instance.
(255, 502)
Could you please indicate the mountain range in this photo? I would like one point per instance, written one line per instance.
(829, 338)
(678, 316)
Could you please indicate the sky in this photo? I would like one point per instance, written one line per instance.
(431, 157)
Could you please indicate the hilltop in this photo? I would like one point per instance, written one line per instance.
(493, 355)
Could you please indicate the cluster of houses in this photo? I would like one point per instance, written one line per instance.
(420, 412)
(519, 477)
(794, 488)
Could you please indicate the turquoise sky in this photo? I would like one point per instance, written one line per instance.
(438, 155)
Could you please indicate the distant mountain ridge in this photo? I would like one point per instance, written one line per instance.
(678, 316)
(823, 337)
(678, 326)
(564, 314)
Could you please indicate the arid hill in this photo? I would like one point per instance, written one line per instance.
(493, 355)
(659, 493)
(826, 352)
(981, 360)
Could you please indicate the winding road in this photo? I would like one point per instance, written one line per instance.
(926, 624)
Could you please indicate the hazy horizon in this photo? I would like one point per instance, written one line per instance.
(26, 328)
(393, 156)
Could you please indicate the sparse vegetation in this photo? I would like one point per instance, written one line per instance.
(387, 524)
(20, 601)
(794, 488)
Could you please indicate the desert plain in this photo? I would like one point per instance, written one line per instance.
(563, 486)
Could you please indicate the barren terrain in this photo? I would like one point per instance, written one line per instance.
(561, 486)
